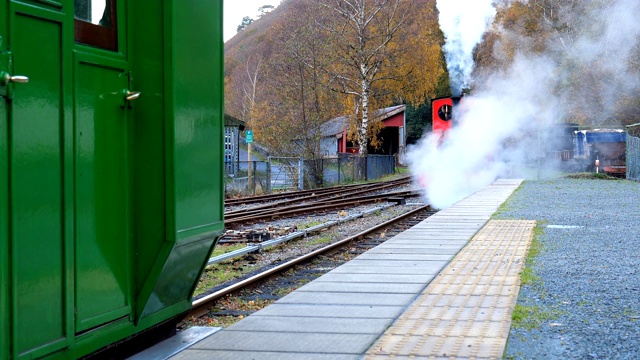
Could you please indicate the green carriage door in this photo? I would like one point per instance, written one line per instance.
(5, 312)
(34, 149)
(102, 247)
(64, 166)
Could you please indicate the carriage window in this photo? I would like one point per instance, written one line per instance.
(95, 23)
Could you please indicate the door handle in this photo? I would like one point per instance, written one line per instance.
(8, 78)
(131, 95)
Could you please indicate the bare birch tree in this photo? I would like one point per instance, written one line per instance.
(362, 32)
(253, 71)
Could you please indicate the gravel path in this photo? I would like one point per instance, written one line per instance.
(586, 302)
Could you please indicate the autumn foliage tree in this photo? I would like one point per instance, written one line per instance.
(361, 33)
(322, 59)
(593, 60)
(295, 103)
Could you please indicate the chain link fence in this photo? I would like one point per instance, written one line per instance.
(633, 152)
(249, 178)
(281, 174)
(347, 169)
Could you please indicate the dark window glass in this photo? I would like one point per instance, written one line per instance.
(444, 113)
(95, 23)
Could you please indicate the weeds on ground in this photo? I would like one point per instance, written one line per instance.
(223, 249)
(402, 170)
(531, 317)
(528, 276)
(590, 175)
(309, 225)
(217, 274)
(320, 240)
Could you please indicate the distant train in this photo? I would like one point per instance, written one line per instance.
(566, 146)
(111, 193)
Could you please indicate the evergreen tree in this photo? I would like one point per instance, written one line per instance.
(246, 21)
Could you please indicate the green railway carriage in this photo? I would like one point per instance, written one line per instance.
(111, 191)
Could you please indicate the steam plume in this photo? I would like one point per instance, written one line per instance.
(463, 22)
(498, 127)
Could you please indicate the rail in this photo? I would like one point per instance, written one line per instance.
(199, 306)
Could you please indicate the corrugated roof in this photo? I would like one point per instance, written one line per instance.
(336, 126)
(231, 121)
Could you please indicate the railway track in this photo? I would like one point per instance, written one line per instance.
(279, 211)
(281, 199)
(349, 247)
(319, 200)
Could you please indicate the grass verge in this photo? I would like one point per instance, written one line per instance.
(532, 317)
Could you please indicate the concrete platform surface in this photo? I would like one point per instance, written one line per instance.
(391, 302)
(465, 312)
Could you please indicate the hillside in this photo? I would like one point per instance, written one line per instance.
(295, 68)
(255, 35)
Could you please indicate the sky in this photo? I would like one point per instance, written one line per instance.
(235, 10)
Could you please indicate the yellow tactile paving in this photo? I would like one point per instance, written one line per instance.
(465, 313)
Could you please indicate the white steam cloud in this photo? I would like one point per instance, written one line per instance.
(479, 149)
(463, 22)
(497, 128)
(609, 45)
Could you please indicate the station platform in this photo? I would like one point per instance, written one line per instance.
(445, 288)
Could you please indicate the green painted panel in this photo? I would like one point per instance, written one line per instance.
(5, 284)
(180, 274)
(199, 116)
(149, 195)
(36, 185)
(102, 211)
(193, 116)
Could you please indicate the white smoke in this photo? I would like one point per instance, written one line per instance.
(463, 22)
(480, 147)
(498, 128)
(607, 45)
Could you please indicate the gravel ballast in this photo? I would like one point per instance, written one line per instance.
(585, 300)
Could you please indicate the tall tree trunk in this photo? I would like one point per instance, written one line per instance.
(362, 32)
(251, 89)
(363, 139)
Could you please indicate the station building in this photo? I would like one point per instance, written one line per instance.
(232, 129)
(335, 132)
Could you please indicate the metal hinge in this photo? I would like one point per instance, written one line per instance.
(6, 66)
(128, 94)
(7, 79)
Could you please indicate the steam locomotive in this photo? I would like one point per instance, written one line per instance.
(442, 110)
(565, 146)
